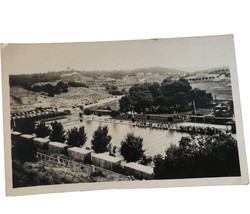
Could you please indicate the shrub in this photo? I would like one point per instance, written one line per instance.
(212, 156)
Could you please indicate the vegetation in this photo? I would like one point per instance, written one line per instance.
(203, 156)
(46, 173)
(50, 89)
(77, 84)
(76, 137)
(101, 139)
(115, 92)
(42, 130)
(131, 148)
(24, 150)
(87, 112)
(114, 113)
(27, 80)
(24, 125)
(57, 132)
(171, 95)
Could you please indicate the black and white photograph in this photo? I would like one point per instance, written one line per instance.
(122, 114)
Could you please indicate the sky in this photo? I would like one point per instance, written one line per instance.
(186, 54)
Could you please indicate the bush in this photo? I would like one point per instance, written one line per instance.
(87, 112)
(114, 113)
(97, 173)
(212, 156)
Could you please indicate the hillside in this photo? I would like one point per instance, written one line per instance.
(215, 80)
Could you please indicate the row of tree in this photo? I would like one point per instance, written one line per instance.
(131, 146)
(27, 80)
(169, 96)
(50, 89)
(195, 157)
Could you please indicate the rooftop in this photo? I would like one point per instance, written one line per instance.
(106, 157)
(27, 136)
(139, 167)
(79, 150)
(41, 140)
(57, 144)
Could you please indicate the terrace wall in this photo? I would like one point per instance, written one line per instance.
(58, 148)
(105, 161)
(139, 171)
(79, 154)
(27, 146)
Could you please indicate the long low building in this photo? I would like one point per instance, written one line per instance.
(105, 161)
(138, 171)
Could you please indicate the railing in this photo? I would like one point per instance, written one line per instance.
(75, 165)
(59, 160)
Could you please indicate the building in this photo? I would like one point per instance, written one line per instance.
(72, 77)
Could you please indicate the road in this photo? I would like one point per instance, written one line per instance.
(104, 101)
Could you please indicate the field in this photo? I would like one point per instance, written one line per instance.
(22, 99)
(220, 89)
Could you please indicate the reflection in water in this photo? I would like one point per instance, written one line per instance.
(154, 141)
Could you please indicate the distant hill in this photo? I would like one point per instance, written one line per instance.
(219, 70)
(27, 80)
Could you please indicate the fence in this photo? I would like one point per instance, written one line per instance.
(74, 165)
(102, 162)
(59, 160)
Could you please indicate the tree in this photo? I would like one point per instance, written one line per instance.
(87, 112)
(101, 139)
(76, 137)
(25, 125)
(206, 156)
(170, 119)
(114, 113)
(131, 148)
(42, 130)
(125, 104)
(57, 133)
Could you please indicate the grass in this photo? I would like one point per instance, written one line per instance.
(47, 173)
(219, 88)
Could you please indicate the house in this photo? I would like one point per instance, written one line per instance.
(222, 110)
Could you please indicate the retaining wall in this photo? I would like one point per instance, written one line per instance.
(58, 148)
(105, 161)
(138, 171)
(79, 154)
(27, 145)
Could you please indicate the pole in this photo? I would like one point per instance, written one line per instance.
(194, 107)
(194, 111)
